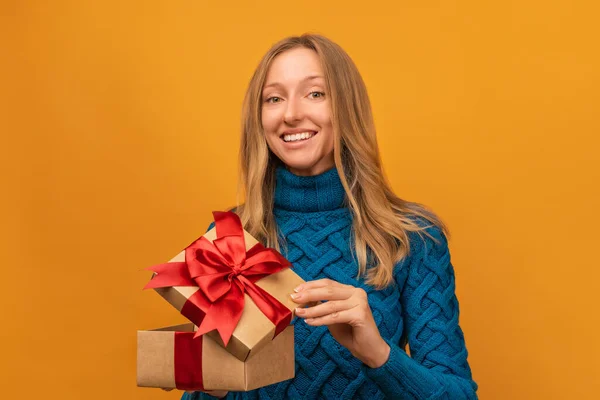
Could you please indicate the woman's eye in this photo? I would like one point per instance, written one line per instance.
(316, 95)
(273, 99)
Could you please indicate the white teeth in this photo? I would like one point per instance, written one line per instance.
(298, 136)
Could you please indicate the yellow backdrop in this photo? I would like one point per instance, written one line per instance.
(119, 125)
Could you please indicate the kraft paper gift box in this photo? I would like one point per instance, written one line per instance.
(231, 255)
(172, 358)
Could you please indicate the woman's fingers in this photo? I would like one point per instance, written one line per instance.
(330, 307)
(308, 295)
(348, 316)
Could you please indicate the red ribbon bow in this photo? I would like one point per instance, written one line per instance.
(224, 271)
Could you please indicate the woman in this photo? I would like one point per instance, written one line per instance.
(378, 266)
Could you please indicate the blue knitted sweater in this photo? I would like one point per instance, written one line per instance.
(420, 308)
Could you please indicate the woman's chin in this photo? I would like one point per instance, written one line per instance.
(304, 169)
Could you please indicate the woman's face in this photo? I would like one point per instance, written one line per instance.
(296, 112)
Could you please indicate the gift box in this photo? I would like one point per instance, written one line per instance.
(234, 289)
(173, 358)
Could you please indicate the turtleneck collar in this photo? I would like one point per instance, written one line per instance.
(323, 192)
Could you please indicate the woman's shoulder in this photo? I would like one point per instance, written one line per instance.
(427, 238)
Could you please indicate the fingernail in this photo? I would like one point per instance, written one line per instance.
(297, 289)
(294, 296)
(308, 320)
(299, 310)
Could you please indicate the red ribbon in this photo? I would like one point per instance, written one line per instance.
(188, 361)
(224, 271)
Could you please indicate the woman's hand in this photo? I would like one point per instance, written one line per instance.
(348, 316)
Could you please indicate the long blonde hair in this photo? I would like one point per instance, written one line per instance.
(381, 220)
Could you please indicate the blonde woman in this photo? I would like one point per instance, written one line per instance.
(378, 266)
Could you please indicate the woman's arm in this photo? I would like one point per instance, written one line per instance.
(437, 367)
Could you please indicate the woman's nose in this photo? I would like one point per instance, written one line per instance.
(293, 111)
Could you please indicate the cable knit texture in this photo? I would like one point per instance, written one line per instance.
(421, 307)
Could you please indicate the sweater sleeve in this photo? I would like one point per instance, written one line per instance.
(437, 367)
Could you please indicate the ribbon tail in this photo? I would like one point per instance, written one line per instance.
(223, 315)
(170, 274)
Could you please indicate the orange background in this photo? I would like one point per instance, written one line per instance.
(119, 125)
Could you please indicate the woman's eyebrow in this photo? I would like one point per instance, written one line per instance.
(308, 78)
